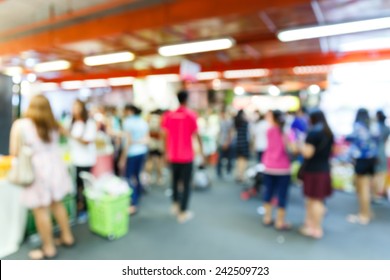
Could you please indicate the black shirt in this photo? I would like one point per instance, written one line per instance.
(322, 143)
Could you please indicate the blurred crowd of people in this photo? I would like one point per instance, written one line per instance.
(147, 144)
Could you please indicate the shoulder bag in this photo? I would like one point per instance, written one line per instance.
(22, 171)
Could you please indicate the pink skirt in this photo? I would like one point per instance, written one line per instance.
(317, 185)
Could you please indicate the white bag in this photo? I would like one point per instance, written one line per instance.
(22, 171)
(201, 179)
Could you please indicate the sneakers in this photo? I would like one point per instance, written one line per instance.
(82, 218)
(185, 217)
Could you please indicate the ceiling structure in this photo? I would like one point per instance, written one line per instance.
(44, 30)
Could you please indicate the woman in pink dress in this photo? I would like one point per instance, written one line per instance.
(52, 183)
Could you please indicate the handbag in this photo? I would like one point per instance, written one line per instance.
(22, 171)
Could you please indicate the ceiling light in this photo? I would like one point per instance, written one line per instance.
(167, 77)
(196, 47)
(13, 71)
(315, 69)
(333, 29)
(96, 83)
(314, 89)
(31, 77)
(108, 58)
(52, 66)
(72, 85)
(274, 91)
(239, 90)
(207, 75)
(48, 87)
(247, 73)
(370, 44)
(121, 81)
(17, 79)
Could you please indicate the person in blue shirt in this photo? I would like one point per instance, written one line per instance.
(364, 152)
(383, 132)
(136, 137)
(300, 123)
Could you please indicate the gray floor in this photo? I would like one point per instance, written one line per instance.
(227, 228)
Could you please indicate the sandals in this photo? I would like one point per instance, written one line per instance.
(268, 224)
(308, 232)
(284, 227)
(39, 254)
(60, 242)
(358, 219)
(133, 210)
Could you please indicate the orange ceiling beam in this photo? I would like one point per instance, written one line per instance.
(287, 61)
(166, 14)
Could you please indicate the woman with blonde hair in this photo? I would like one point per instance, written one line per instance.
(40, 131)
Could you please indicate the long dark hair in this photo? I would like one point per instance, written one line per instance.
(318, 117)
(381, 117)
(132, 108)
(84, 111)
(260, 116)
(363, 117)
(239, 120)
(279, 118)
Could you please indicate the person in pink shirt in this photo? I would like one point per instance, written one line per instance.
(277, 171)
(180, 126)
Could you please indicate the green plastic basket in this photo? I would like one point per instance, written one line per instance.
(70, 205)
(108, 216)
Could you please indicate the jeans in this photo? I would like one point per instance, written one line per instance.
(181, 173)
(276, 185)
(225, 154)
(80, 198)
(133, 171)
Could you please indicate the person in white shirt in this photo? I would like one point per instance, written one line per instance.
(83, 152)
(259, 135)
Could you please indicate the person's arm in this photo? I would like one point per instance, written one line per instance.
(164, 139)
(201, 150)
(89, 135)
(312, 141)
(308, 151)
(126, 146)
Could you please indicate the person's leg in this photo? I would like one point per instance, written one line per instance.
(229, 157)
(45, 230)
(379, 184)
(160, 168)
(241, 166)
(130, 175)
(308, 223)
(268, 195)
(175, 169)
(80, 198)
(220, 161)
(363, 186)
(62, 219)
(318, 209)
(139, 167)
(187, 170)
(282, 183)
(187, 176)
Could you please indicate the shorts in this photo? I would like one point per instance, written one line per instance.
(365, 166)
(155, 153)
